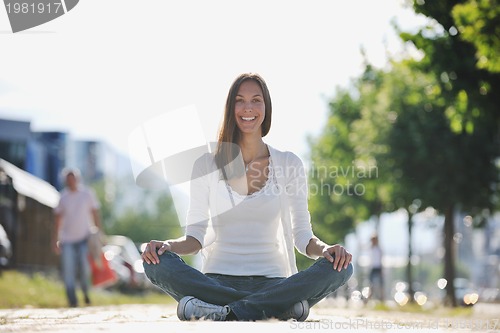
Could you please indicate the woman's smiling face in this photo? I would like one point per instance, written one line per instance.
(249, 108)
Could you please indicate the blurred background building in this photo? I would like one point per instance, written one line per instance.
(30, 169)
(14, 139)
(45, 154)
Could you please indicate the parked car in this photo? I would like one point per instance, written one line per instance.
(125, 260)
(5, 249)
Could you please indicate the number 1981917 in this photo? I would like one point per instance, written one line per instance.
(32, 8)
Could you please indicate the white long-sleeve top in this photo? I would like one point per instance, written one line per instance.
(246, 235)
(208, 204)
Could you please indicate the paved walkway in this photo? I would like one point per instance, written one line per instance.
(158, 318)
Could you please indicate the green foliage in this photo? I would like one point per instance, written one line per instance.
(351, 178)
(302, 261)
(104, 193)
(447, 144)
(462, 30)
(152, 214)
(478, 22)
(332, 156)
(142, 225)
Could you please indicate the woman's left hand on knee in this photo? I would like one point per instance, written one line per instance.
(338, 256)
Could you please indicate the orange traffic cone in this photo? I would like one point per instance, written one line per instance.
(102, 274)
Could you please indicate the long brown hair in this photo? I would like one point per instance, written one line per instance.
(229, 133)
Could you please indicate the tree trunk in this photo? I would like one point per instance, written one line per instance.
(449, 257)
(409, 273)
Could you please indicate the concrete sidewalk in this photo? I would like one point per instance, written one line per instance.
(160, 318)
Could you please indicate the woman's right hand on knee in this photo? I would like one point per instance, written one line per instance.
(153, 250)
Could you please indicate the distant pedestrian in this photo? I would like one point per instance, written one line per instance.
(376, 274)
(75, 216)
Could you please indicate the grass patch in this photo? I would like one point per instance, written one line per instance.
(20, 290)
(456, 312)
(394, 307)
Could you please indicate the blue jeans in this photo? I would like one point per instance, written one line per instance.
(248, 297)
(377, 283)
(75, 265)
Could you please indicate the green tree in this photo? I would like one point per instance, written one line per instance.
(104, 190)
(331, 153)
(464, 175)
(347, 182)
(142, 224)
(332, 158)
(151, 215)
(383, 95)
(478, 22)
(430, 126)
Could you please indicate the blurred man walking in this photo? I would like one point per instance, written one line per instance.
(75, 216)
